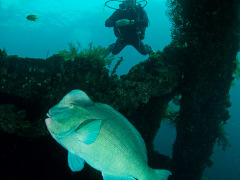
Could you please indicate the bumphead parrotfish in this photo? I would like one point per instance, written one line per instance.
(97, 134)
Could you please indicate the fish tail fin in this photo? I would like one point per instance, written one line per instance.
(161, 174)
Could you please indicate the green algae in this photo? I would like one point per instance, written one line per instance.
(91, 53)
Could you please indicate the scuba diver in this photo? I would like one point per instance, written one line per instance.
(129, 22)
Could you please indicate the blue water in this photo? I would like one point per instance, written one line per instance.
(63, 21)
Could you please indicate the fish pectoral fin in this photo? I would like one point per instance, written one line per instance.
(112, 177)
(75, 163)
(88, 132)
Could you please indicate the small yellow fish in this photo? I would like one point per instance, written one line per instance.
(32, 17)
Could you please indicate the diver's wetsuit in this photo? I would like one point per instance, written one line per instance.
(131, 34)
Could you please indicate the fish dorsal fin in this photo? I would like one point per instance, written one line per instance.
(134, 130)
(88, 131)
(111, 177)
(75, 163)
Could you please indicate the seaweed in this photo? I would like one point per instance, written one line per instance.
(116, 66)
(3, 53)
(237, 70)
(222, 140)
(92, 53)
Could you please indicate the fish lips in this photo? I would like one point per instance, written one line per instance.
(59, 135)
(48, 120)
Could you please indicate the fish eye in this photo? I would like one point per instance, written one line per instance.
(71, 105)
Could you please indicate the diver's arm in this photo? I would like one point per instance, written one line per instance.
(111, 21)
(143, 20)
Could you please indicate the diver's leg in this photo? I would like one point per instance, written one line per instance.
(117, 47)
(142, 49)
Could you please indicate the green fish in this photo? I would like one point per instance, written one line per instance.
(32, 17)
(97, 134)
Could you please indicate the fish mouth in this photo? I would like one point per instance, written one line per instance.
(47, 120)
(48, 114)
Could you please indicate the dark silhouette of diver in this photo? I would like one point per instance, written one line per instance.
(129, 22)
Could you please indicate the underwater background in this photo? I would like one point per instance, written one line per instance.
(60, 22)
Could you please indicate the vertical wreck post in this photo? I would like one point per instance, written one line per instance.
(209, 32)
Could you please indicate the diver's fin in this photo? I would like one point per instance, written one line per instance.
(161, 174)
(88, 131)
(111, 177)
(75, 163)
